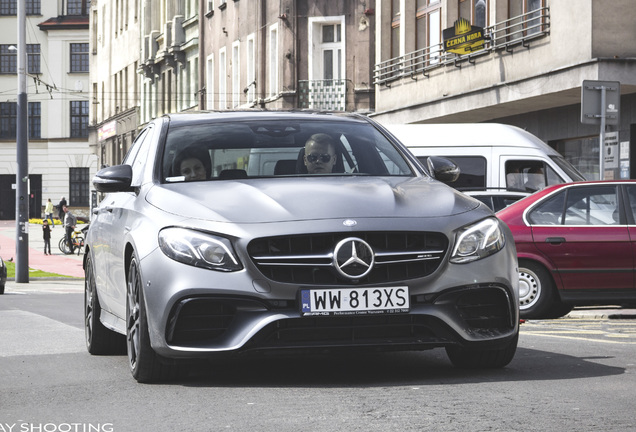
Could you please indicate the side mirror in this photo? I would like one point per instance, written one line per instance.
(117, 178)
(444, 170)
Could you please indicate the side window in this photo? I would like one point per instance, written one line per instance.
(530, 175)
(594, 205)
(134, 148)
(138, 155)
(472, 172)
(549, 212)
(631, 193)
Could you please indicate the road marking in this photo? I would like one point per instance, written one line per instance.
(577, 338)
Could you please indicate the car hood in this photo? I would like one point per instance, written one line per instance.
(310, 198)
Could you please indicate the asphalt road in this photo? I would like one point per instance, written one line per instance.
(574, 374)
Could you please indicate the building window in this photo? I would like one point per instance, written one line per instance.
(79, 119)
(9, 120)
(79, 183)
(273, 60)
(33, 58)
(33, 7)
(395, 28)
(209, 81)
(251, 68)
(35, 120)
(79, 57)
(527, 12)
(475, 11)
(428, 29)
(236, 75)
(77, 7)
(10, 7)
(9, 59)
(222, 80)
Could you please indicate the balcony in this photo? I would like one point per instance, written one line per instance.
(505, 35)
(323, 95)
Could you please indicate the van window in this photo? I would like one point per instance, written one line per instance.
(530, 175)
(472, 172)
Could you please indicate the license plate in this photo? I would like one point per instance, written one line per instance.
(354, 301)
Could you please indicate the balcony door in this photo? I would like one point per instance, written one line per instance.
(326, 85)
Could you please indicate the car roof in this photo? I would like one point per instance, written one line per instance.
(466, 135)
(239, 115)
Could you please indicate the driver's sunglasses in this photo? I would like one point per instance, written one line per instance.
(324, 158)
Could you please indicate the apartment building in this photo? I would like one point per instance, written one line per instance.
(287, 55)
(154, 57)
(529, 71)
(61, 161)
(115, 28)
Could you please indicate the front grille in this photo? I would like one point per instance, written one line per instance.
(308, 259)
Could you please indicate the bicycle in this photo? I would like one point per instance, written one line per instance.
(77, 237)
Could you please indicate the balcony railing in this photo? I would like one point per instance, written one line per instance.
(324, 95)
(517, 31)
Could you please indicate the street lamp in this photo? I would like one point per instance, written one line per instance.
(22, 156)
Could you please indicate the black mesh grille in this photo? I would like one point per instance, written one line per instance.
(196, 320)
(487, 308)
(307, 259)
(385, 330)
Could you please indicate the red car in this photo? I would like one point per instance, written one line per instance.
(576, 245)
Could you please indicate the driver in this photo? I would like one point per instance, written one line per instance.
(320, 154)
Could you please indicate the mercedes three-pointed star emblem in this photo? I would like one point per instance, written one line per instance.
(353, 258)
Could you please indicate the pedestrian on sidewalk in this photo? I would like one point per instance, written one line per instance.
(46, 235)
(70, 221)
(48, 212)
(60, 209)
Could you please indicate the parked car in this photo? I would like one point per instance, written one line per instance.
(574, 245)
(496, 199)
(376, 255)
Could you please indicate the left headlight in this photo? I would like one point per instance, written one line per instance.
(478, 241)
(198, 249)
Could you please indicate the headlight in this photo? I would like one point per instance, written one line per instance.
(198, 249)
(478, 241)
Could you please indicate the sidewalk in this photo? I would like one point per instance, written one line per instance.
(67, 265)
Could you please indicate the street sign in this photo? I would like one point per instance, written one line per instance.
(592, 107)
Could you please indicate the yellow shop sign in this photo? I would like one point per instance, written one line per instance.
(463, 38)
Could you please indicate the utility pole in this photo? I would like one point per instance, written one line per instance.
(22, 153)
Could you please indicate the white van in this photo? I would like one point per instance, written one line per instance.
(490, 156)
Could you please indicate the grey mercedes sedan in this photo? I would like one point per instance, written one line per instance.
(231, 233)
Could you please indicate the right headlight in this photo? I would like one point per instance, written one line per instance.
(198, 249)
(478, 241)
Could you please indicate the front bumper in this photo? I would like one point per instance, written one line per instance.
(203, 326)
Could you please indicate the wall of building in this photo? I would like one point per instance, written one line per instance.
(55, 152)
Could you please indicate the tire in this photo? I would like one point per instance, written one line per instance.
(559, 309)
(537, 292)
(2, 288)
(483, 358)
(99, 339)
(145, 365)
(63, 246)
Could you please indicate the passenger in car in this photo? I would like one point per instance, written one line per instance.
(320, 154)
(193, 164)
(536, 179)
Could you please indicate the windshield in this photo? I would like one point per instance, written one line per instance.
(217, 151)
(569, 169)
